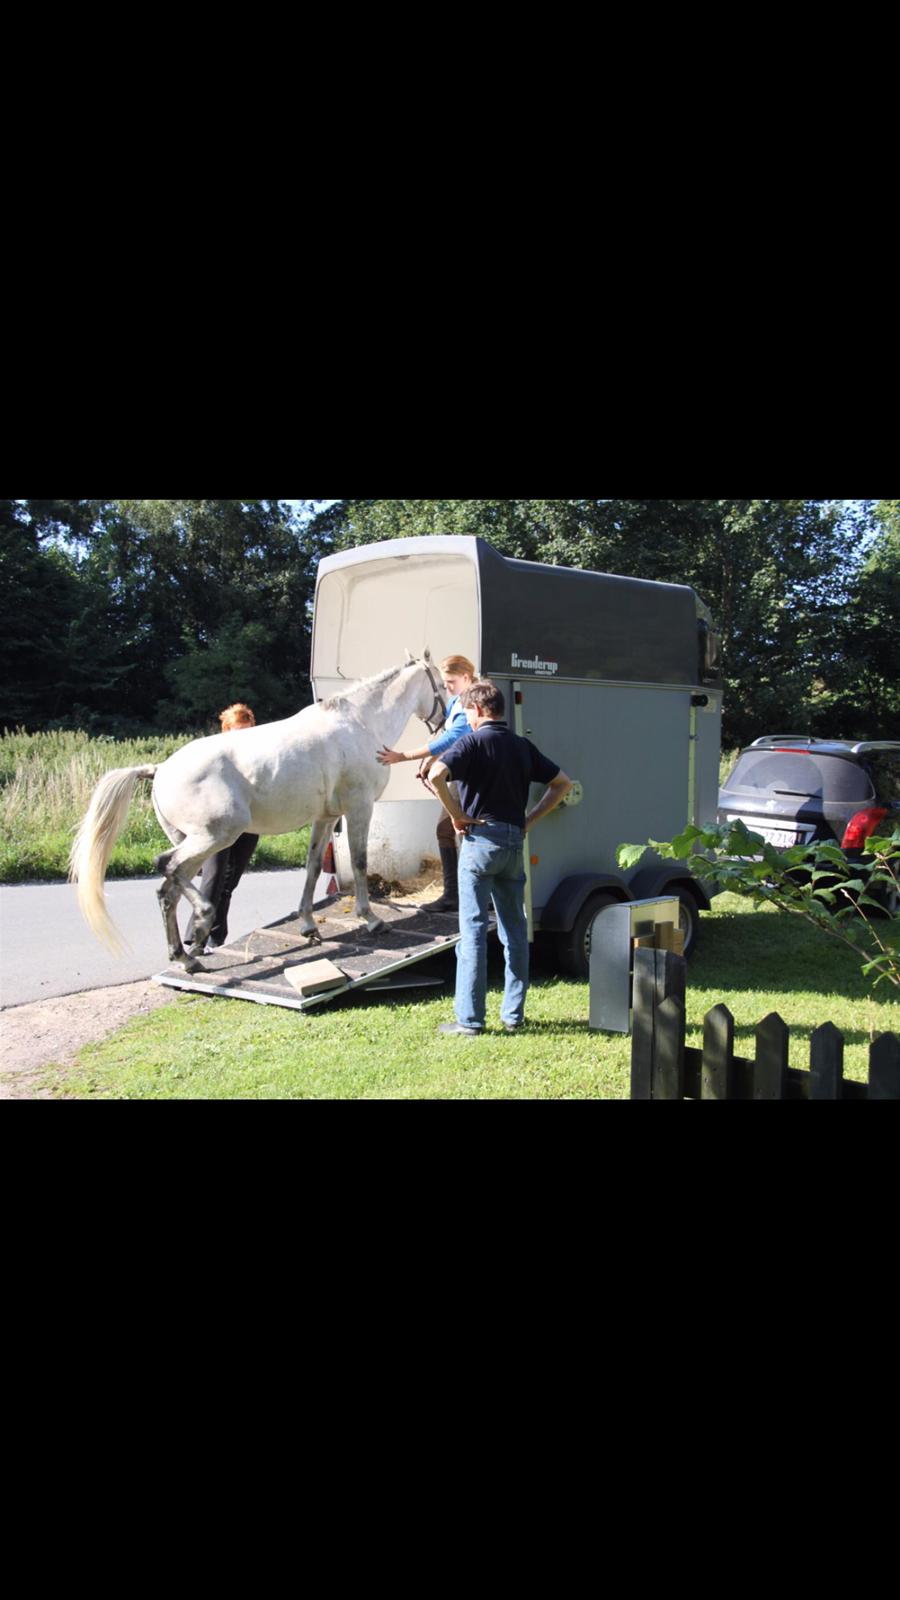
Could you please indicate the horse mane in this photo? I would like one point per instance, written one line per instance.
(352, 695)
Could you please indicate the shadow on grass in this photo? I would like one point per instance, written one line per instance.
(441, 967)
(758, 951)
(775, 952)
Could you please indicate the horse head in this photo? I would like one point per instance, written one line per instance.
(435, 716)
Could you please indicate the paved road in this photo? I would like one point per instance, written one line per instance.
(46, 948)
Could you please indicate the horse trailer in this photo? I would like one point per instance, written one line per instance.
(617, 679)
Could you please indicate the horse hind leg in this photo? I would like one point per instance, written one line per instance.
(204, 911)
(358, 840)
(168, 894)
(179, 867)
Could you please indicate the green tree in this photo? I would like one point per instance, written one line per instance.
(858, 692)
(122, 615)
(40, 606)
(506, 524)
(211, 602)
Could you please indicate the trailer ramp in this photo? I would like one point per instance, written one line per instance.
(254, 968)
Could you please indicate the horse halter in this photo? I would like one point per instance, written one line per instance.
(439, 705)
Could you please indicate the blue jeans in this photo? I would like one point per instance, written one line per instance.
(491, 867)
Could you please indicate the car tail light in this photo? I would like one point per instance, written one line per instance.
(861, 826)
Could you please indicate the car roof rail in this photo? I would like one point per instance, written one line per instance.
(875, 744)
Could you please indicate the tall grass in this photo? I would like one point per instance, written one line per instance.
(46, 782)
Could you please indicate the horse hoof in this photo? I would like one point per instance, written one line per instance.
(312, 936)
(375, 927)
(190, 964)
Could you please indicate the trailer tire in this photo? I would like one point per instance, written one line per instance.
(688, 920)
(573, 949)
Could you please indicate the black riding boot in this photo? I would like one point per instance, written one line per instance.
(449, 900)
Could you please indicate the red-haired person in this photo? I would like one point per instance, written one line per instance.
(458, 673)
(221, 873)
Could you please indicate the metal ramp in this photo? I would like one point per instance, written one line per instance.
(254, 968)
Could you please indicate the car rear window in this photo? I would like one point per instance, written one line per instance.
(783, 771)
(886, 770)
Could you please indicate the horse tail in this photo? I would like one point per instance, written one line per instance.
(93, 844)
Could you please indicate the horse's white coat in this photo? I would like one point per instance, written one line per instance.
(310, 768)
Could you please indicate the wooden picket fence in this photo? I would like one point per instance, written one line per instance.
(664, 1068)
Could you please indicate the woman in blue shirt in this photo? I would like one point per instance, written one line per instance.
(458, 674)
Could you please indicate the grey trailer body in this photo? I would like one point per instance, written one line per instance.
(614, 678)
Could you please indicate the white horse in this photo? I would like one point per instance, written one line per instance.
(314, 767)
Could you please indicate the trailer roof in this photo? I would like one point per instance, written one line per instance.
(540, 620)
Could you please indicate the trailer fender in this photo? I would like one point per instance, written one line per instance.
(653, 881)
(567, 899)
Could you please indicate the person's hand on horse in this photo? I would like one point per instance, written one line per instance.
(389, 757)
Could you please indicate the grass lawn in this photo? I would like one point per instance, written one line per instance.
(386, 1048)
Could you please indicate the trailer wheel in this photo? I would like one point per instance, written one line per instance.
(688, 919)
(573, 949)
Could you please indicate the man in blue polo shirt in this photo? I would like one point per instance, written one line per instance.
(494, 769)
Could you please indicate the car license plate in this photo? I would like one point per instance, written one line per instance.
(782, 838)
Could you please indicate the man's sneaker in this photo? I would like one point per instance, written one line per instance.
(452, 1029)
(513, 1027)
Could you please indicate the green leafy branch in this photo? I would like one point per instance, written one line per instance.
(856, 903)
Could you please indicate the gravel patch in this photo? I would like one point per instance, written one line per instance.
(51, 1032)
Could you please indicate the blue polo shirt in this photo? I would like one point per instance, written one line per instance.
(495, 769)
(455, 727)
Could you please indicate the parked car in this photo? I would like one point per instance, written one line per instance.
(793, 789)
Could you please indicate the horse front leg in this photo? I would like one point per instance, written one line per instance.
(358, 840)
(319, 835)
